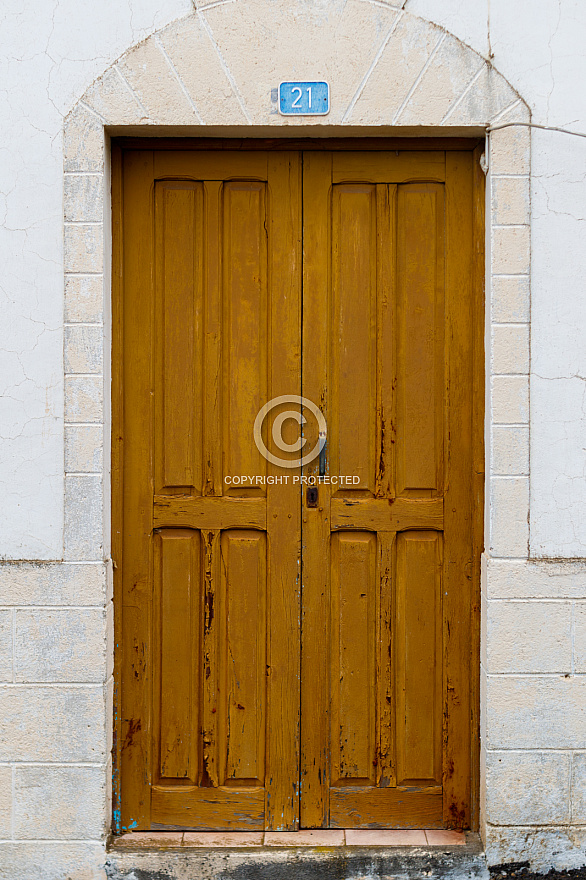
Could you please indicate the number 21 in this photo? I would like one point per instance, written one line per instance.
(298, 98)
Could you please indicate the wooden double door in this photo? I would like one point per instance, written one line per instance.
(290, 658)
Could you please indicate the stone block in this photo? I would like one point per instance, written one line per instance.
(536, 712)
(109, 640)
(488, 97)
(83, 537)
(510, 451)
(528, 788)
(578, 789)
(510, 151)
(110, 708)
(83, 141)
(83, 197)
(84, 298)
(83, 349)
(5, 802)
(580, 637)
(444, 82)
(533, 579)
(510, 400)
(150, 76)
(516, 112)
(42, 860)
(83, 247)
(84, 398)
(402, 60)
(56, 724)
(529, 636)
(199, 66)
(6, 647)
(57, 803)
(510, 200)
(510, 250)
(510, 300)
(60, 645)
(544, 848)
(53, 583)
(510, 348)
(509, 509)
(114, 101)
(83, 449)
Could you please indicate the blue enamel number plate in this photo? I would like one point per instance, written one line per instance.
(304, 98)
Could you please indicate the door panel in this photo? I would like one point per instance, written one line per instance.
(286, 666)
(176, 585)
(376, 319)
(418, 657)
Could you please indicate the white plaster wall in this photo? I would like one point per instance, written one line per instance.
(49, 53)
(539, 48)
(55, 657)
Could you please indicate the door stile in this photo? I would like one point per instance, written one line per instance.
(137, 552)
(386, 282)
(212, 365)
(283, 502)
(117, 487)
(478, 378)
(315, 631)
(458, 513)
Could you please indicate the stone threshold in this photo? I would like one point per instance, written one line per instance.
(302, 855)
(318, 837)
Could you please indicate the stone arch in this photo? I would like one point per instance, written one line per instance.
(217, 66)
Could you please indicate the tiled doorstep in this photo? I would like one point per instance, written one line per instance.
(328, 838)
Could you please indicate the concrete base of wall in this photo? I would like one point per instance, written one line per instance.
(303, 863)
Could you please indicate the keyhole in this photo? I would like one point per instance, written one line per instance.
(311, 496)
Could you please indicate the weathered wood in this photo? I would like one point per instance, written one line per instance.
(384, 375)
(136, 566)
(400, 807)
(210, 592)
(418, 656)
(458, 525)
(212, 347)
(209, 512)
(178, 336)
(283, 502)
(315, 647)
(226, 719)
(177, 686)
(211, 165)
(205, 808)
(478, 477)
(387, 167)
(280, 144)
(387, 515)
(117, 470)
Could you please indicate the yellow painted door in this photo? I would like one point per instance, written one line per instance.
(209, 575)
(388, 559)
(281, 662)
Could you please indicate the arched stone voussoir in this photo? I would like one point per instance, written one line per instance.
(220, 65)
